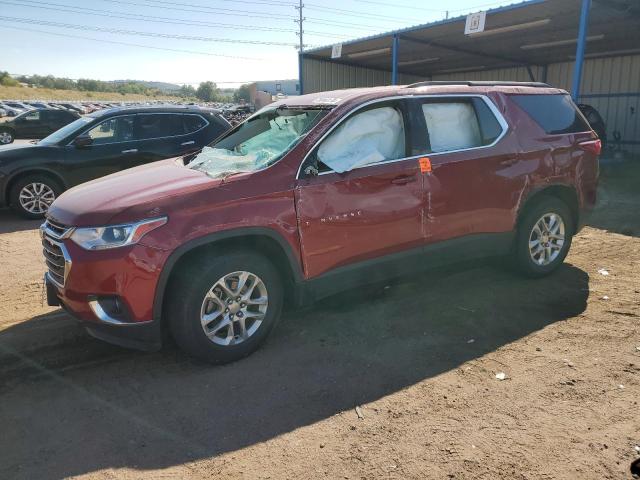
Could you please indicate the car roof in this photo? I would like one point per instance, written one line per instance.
(152, 109)
(355, 95)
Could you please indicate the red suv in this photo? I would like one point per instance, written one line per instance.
(315, 194)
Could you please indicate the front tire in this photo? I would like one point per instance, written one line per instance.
(544, 237)
(31, 196)
(223, 305)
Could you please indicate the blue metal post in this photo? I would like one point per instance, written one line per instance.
(582, 43)
(300, 73)
(394, 59)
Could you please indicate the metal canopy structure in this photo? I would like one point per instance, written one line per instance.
(532, 33)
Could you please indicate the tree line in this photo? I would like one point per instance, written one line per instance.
(206, 91)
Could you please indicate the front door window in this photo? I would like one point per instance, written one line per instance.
(113, 130)
(366, 138)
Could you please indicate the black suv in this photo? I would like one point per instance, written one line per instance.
(104, 142)
(35, 124)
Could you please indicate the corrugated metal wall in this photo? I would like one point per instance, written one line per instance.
(514, 74)
(611, 85)
(320, 76)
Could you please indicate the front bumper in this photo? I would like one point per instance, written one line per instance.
(127, 276)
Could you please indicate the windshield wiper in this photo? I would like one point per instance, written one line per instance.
(225, 175)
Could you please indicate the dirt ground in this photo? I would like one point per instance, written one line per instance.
(417, 361)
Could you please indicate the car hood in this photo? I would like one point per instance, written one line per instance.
(140, 192)
(11, 153)
(12, 149)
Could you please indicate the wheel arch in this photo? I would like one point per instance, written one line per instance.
(262, 240)
(566, 193)
(26, 173)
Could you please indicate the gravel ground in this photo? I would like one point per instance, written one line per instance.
(399, 382)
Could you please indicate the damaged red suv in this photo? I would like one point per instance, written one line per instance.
(315, 194)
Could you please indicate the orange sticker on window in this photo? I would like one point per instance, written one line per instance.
(425, 164)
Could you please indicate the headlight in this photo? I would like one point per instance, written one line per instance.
(113, 236)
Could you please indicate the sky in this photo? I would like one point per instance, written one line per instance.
(189, 41)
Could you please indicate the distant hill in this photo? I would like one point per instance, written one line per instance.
(162, 86)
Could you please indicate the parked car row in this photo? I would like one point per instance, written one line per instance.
(311, 195)
(13, 108)
(32, 176)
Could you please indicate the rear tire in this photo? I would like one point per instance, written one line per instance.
(223, 305)
(6, 137)
(544, 237)
(32, 195)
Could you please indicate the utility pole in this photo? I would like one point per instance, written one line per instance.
(299, 22)
(301, 47)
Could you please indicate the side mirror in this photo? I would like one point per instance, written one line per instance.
(82, 141)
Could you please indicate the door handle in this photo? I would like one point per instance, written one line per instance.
(509, 162)
(191, 142)
(131, 150)
(404, 179)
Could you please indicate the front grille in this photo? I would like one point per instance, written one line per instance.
(55, 254)
(58, 230)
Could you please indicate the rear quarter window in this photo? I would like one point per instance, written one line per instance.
(554, 113)
(193, 123)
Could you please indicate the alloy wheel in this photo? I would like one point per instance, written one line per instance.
(5, 138)
(546, 239)
(36, 197)
(234, 308)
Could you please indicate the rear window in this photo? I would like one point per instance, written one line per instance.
(554, 113)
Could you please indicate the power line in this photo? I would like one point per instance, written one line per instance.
(136, 16)
(156, 19)
(23, 29)
(339, 23)
(218, 11)
(353, 13)
(143, 34)
(372, 2)
(239, 13)
(277, 3)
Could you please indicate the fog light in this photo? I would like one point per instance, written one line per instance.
(109, 309)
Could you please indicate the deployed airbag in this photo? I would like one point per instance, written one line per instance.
(451, 126)
(368, 137)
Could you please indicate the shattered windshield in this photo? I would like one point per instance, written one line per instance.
(257, 143)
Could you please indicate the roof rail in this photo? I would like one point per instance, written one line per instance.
(479, 84)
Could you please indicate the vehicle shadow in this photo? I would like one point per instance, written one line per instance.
(618, 198)
(88, 406)
(12, 222)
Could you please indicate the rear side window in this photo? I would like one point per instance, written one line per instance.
(459, 124)
(554, 113)
(193, 123)
(158, 125)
